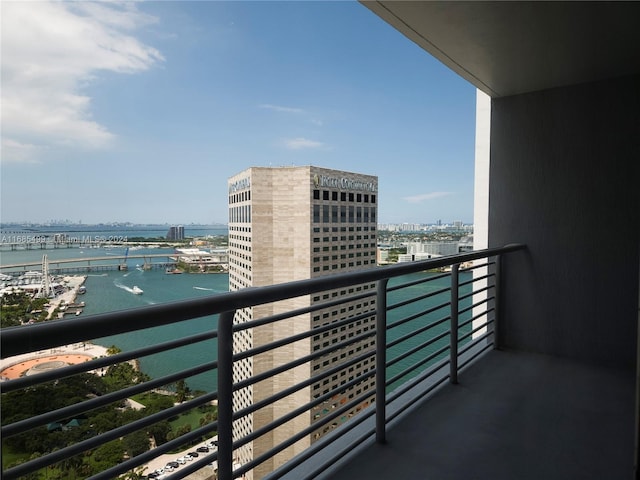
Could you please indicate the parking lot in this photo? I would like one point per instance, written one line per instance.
(177, 460)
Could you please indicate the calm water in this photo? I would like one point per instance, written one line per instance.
(112, 290)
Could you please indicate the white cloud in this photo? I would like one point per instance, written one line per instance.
(426, 196)
(279, 108)
(49, 51)
(16, 152)
(300, 143)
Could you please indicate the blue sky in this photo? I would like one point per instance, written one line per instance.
(140, 111)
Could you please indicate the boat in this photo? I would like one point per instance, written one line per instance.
(173, 271)
(82, 290)
(137, 290)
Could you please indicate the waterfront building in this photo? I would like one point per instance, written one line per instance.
(294, 223)
(175, 233)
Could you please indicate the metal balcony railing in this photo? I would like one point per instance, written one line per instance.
(422, 325)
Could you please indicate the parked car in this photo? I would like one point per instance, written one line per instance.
(173, 465)
(193, 454)
(202, 449)
(188, 458)
(181, 460)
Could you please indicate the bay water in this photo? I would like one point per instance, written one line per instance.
(112, 290)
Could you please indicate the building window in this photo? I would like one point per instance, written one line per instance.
(316, 194)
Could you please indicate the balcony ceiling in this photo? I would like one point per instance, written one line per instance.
(508, 48)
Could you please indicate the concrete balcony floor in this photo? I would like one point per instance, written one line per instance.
(512, 416)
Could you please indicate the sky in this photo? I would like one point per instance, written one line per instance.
(140, 111)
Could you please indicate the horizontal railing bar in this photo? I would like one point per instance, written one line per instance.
(300, 311)
(417, 315)
(418, 298)
(475, 330)
(294, 388)
(40, 336)
(412, 383)
(413, 333)
(102, 400)
(295, 438)
(477, 304)
(209, 306)
(417, 282)
(475, 355)
(475, 292)
(417, 365)
(470, 345)
(30, 380)
(474, 280)
(98, 440)
(409, 404)
(417, 348)
(475, 267)
(322, 444)
(305, 408)
(301, 336)
(476, 317)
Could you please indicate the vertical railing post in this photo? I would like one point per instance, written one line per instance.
(496, 303)
(225, 396)
(453, 349)
(381, 361)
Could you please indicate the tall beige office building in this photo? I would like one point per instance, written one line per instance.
(294, 223)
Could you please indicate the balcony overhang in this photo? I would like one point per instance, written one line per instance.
(508, 48)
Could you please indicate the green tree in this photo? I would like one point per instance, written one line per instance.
(159, 431)
(109, 454)
(112, 350)
(136, 443)
(182, 391)
(121, 375)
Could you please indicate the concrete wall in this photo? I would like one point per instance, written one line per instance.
(565, 180)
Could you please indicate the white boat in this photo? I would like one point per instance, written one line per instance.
(137, 290)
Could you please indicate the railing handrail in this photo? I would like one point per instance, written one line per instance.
(41, 336)
(470, 334)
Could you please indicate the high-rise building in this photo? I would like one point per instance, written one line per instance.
(293, 223)
(175, 233)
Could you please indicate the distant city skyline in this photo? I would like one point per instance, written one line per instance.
(140, 112)
(168, 224)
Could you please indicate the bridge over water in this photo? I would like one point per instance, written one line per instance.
(92, 264)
